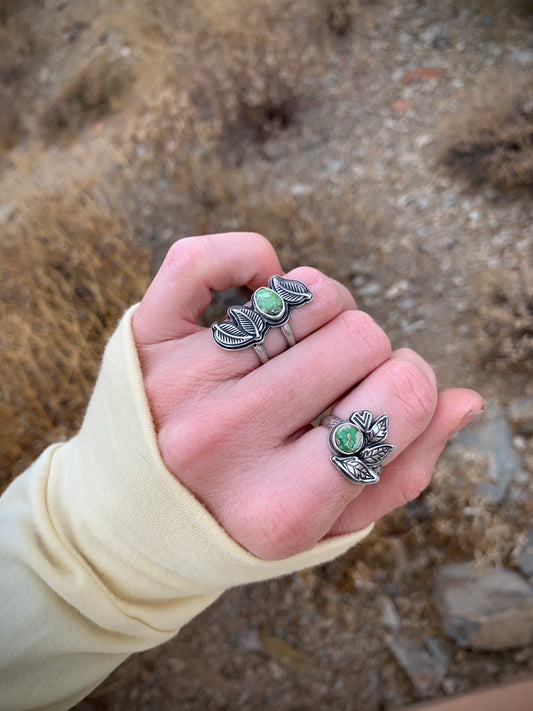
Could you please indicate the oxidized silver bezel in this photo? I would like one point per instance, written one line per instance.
(333, 445)
(272, 320)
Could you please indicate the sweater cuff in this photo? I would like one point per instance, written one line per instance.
(136, 522)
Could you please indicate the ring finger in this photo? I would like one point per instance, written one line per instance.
(403, 387)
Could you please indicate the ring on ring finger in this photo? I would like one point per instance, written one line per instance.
(357, 445)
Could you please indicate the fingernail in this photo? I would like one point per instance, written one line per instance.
(468, 418)
(471, 416)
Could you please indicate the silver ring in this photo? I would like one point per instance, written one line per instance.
(358, 446)
(261, 353)
(270, 308)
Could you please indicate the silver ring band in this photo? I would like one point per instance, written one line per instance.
(357, 445)
(261, 354)
(289, 335)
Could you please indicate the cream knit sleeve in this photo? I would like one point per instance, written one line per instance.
(103, 552)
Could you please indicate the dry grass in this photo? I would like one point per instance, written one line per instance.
(339, 16)
(7, 7)
(17, 44)
(491, 143)
(492, 140)
(68, 269)
(505, 318)
(88, 93)
(248, 67)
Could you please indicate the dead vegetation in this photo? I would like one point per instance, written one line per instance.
(492, 140)
(68, 269)
(505, 318)
(248, 67)
(88, 94)
(18, 43)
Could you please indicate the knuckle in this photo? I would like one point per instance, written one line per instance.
(261, 239)
(261, 246)
(185, 255)
(311, 277)
(416, 391)
(276, 530)
(358, 325)
(328, 293)
(262, 242)
(350, 324)
(185, 446)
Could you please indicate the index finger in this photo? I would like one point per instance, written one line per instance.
(181, 290)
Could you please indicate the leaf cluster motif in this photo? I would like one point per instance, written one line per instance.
(365, 466)
(247, 327)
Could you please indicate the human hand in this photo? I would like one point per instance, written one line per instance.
(237, 434)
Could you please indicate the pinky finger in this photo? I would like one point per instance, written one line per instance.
(410, 473)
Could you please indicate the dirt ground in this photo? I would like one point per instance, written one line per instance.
(375, 140)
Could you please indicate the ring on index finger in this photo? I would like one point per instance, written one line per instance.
(270, 308)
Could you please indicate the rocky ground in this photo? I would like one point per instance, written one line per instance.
(391, 166)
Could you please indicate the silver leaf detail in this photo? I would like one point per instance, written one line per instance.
(249, 321)
(376, 454)
(230, 336)
(362, 419)
(379, 429)
(293, 292)
(355, 470)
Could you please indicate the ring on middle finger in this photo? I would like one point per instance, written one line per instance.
(270, 307)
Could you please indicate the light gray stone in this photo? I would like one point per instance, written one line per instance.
(274, 149)
(6, 211)
(491, 436)
(484, 609)
(372, 289)
(521, 415)
(389, 614)
(525, 557)
(424, 665)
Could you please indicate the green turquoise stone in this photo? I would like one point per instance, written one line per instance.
(268, 301)
(348, 438)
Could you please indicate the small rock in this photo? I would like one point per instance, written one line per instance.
(372, 289)
(245, 641)
(274, 149)
(333, 167)
(491, 437)
(400, 287)
(519, 443)
(425, 667)
(423, 140)
(389, 614)
(484, 609)
(449, 686)
(521, 415)
(299, 189)
(522, 56)
(525, 557)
